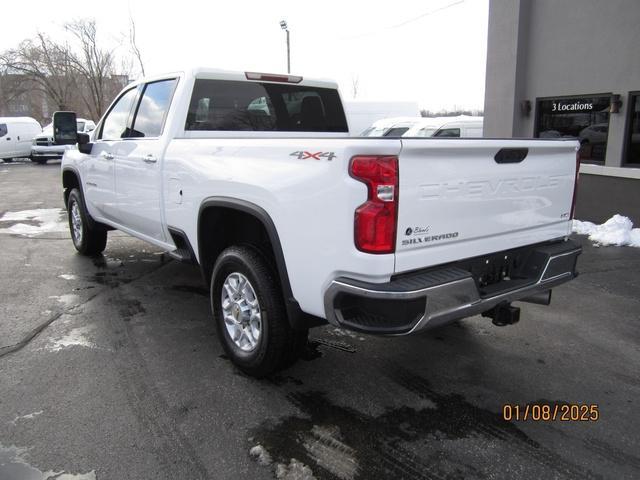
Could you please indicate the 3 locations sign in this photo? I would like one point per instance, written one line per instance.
(559, 106)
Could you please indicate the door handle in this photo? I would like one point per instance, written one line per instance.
(18, 137)
(107, 155)
(8, 138)
(150, 159)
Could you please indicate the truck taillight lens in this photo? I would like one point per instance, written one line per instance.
(376, 219)
(575, 185)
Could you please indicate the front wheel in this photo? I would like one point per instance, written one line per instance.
(250, 315)
(88, 237)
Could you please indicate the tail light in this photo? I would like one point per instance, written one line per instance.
(377, 218)
(575, 185)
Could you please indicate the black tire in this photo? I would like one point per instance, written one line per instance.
(93, 238)
(39, 161)
(278, 345)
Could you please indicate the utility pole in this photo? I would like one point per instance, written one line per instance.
(283, 25)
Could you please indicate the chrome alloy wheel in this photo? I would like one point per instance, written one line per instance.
(241, 312)
(76, 223)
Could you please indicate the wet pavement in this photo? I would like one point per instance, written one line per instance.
(110, 368)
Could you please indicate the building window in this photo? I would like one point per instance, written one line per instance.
(585, 118)
(632, 151)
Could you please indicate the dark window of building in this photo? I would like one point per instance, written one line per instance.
(153, 109)
(3, 129)
(254, 106)
(448, 132)
(583, 118)
(396, 131)
(633, 131)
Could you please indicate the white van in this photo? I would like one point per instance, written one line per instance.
(16, 135)
(460, 126)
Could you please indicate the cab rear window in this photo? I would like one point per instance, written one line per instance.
(226, 105)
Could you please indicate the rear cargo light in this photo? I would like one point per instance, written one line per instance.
(273, 77)
(575, 185)
(377, 218)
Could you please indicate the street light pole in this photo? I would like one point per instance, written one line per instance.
(283, 25)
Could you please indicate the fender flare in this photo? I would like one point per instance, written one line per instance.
(297, 318)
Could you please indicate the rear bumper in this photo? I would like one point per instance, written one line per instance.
(425, 299)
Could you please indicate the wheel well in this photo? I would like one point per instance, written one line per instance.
(69, 181)
(222, 227)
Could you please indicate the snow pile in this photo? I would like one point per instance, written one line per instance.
(47, 220)
(260, 453)
(618, 230)
(296, 470)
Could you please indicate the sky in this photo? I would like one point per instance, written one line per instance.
(432, 52)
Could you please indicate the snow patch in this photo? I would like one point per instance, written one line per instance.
(29, 416)
(75, 338)
(261, 455)
(47, 220)
(618, 231)
(67, 300)
(296, 470)
(67, 276)
(14, 465)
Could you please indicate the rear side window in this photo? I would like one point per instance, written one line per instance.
(448, 132)
(224, 105)
(153, 108)
(3, 129)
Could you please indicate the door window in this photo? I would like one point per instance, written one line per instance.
(3, 129)
(153, 108)
(115, 123)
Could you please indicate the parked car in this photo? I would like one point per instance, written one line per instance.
(362, 114)
(391, 127)
(294, 224)
(43, 147)
(594, 133)
(16, 135)
(461, 126)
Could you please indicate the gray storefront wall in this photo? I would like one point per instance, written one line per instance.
(542, 49)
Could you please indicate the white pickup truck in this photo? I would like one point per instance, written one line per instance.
(293, 223)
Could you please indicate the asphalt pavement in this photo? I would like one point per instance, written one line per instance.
(110, 368)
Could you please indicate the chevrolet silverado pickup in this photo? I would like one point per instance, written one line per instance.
(254, 178)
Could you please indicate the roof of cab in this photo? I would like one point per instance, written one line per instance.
(221, 74)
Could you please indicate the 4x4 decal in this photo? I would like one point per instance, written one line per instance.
(315, 156)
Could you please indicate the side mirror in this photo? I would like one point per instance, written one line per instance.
(65, 128)
(84, 144)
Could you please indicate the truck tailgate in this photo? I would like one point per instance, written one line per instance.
(457, 201)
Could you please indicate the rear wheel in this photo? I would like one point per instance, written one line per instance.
(250, 315)
(88, 237)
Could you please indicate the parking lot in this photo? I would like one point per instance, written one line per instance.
(110, 369)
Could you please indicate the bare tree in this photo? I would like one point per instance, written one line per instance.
(134, 45)
(355, 80)
(93, 64)
(44, 65)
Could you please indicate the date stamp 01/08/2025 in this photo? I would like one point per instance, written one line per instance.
(550, 412)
